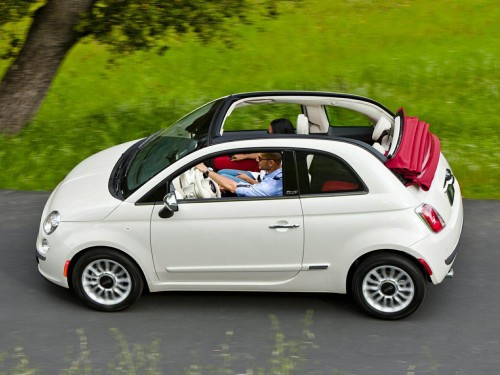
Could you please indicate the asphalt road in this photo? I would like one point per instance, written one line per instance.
(455, 331)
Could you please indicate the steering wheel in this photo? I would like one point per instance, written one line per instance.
(205, 187)
(192, 185)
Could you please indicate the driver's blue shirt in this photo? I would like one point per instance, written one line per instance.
(271, 186)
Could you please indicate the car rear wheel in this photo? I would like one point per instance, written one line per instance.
(388, 286)
(106, 280)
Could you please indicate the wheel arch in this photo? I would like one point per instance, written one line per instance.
(81, 253)
(373, 253)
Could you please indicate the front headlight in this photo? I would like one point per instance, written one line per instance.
(51, 222)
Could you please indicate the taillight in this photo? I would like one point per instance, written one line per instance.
(431, 217)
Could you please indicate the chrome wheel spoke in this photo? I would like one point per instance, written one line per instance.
(119, 292)
(109, 295)
(388, 289)
(106, 282)
(398, 300)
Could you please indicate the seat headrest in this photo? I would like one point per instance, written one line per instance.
(382, 125)
(395, 136)
(302, 124)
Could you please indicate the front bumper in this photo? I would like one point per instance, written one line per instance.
(51, 269)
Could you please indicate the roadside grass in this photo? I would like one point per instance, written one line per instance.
(287, 356)
(440, 60)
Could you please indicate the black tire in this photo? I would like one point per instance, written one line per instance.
(106, 280)
(388, 286)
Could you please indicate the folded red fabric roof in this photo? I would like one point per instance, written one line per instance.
(417, 155)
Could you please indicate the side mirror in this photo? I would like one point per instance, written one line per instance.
(170, 206)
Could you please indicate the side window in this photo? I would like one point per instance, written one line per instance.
(259, 116)
(273, 176)
(189, 184)
(338, 116)
(324, 174)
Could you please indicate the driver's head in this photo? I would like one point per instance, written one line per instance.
(269, 161)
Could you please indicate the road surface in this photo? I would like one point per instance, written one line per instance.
(455, 331)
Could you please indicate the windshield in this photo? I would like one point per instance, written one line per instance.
(167, 146)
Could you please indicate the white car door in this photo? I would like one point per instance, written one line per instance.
(228, 241)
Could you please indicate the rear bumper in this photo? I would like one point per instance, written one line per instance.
(441, 249)
(451, 258)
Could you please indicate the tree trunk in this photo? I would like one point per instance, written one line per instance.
(51, 36)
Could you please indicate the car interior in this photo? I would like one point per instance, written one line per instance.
(318, 173)
(344, 118)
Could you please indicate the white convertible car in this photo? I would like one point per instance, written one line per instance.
(369, 207)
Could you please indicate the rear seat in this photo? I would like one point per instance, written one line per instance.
(381, 135)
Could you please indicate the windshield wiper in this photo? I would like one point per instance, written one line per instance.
(148, 139)
(118, 178)
(123, 169)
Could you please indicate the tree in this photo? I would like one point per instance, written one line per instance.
(125, 25)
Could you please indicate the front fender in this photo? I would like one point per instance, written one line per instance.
(130, 236)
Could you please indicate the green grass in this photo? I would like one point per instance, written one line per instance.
(287, 356)
(438, 59)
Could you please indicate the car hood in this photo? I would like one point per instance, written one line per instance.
(83, 195)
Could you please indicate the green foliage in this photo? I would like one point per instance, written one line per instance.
(288, 356)
(259, 117)
(14, 19)
(82, 364)
(439, 60)
(130, 25)
(14, 10)
(19, 362)
(138, 360)
(143, 24)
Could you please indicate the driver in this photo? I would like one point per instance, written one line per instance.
(271, 184)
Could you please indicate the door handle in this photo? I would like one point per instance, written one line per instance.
(281, 226)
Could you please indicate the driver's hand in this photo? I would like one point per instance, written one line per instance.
(201, 167)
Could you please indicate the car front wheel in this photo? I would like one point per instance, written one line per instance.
(388, 286)
(106, 280)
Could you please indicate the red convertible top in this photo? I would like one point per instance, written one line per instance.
(417, 155)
